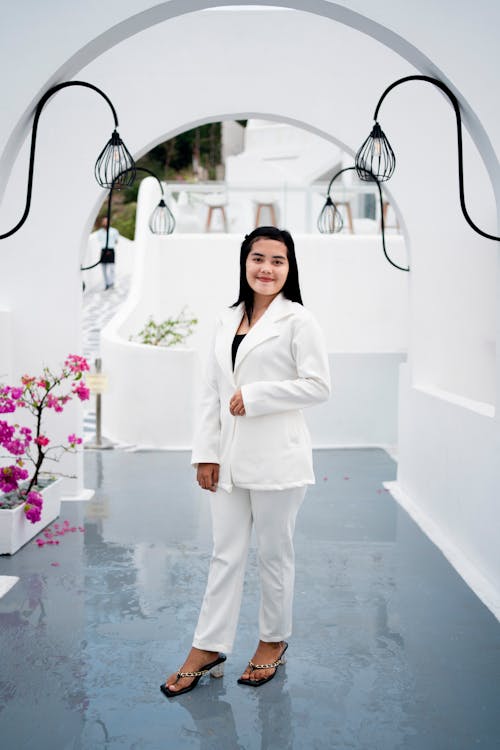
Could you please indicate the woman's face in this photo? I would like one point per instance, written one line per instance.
(267, 266)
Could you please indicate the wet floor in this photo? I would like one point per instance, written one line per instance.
(391, 650)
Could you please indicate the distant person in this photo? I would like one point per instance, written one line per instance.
(108, 251)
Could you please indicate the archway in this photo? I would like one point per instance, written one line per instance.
(446, 255)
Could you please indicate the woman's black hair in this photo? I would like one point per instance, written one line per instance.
(290, 289)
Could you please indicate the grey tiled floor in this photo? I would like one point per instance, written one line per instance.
(391, 650)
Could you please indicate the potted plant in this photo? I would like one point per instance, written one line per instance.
(170, 332)
(31, 499)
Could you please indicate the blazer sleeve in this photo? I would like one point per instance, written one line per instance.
(206, 439)
(312, 386)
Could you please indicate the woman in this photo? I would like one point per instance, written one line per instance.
(252, 452)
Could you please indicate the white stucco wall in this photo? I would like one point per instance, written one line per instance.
(205, 68)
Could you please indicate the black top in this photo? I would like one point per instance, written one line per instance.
(236, 342)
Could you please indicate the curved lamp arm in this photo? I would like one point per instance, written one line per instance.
(456, 106)
(110, 196)
(48, 94)
(382, 223)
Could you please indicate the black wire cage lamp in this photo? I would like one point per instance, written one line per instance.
(161, 221)
(114, 160)
(376, 157)
(330, 220)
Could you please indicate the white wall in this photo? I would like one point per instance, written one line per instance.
(233, 138)
(454, 319)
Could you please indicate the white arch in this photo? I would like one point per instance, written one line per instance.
(334, 11)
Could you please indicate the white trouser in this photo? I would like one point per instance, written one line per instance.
(108, 272)
(273, 513)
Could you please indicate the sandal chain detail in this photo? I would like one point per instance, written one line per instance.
(274, 665)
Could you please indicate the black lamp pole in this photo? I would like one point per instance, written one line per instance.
(328, 223)
(161, 221)
(375, 156)
(114, 159)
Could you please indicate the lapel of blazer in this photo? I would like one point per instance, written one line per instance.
(229, 323)
(266, 327)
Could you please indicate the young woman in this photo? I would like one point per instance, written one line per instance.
(252, 452)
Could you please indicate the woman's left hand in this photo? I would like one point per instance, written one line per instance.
(236, 405)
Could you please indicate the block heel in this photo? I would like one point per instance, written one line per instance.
(216, 668)
(217, 671)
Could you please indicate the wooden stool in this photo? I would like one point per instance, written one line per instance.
(215, 202)
(259, 206)
(210, 213)
(385, 208)
(347, 206)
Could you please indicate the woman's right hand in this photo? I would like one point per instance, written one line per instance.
(207, 476)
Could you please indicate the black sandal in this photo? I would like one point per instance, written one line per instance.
(274, 665)
(216, 669)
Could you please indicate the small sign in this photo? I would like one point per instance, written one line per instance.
(97, 382)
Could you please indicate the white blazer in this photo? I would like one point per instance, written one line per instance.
(281, 366)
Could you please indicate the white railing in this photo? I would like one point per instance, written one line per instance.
(296, 207)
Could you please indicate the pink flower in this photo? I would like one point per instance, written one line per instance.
(82, 391)
(27, 380)
(76, 363)
(53, 403)
(73, 440)
(34, 498)
(33, 513)
(41, 440)
(10, 476)
(6, 405)
(56, 565)
(16, 393)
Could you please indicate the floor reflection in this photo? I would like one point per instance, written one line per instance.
(390, 648)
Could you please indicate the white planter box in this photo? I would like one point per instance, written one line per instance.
(16, 530)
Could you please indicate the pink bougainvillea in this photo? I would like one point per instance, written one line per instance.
(32, 444)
